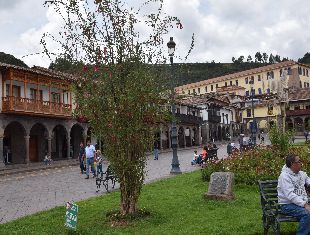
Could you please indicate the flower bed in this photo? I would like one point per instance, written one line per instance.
(260, 163)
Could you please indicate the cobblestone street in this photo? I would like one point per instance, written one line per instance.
(26, 193)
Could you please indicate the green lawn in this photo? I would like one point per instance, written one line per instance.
(177, 207)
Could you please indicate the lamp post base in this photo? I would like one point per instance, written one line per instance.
(175, 170)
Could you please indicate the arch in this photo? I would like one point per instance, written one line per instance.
(38, 142)
(59, 142)
(289, 124)
(298, 124)
(307, 124)
(76, 137)
(188, 137)
(219, 133)
(14, 144)
(181, 137)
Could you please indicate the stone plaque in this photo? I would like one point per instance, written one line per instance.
(220, 186)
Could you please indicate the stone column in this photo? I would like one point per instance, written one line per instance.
(68, 146)
(160, 139)
(27, 137)
(199, 136)
(49, 147)
(1, 152)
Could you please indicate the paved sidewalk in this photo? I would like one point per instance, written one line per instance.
(26, 193)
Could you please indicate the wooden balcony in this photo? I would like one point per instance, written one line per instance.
(183, 118)
(21, 105)
(298, 112)
(214, 118)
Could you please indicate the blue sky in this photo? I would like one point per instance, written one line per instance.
(223, 28)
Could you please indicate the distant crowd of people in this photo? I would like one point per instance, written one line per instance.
(200, 159)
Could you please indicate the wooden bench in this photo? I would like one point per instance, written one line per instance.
(104, 179)
(271, 210)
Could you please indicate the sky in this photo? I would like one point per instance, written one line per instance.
(223, 28)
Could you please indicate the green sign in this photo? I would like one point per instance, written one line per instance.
(71, 215)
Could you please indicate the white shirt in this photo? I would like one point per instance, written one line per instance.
(90, 151)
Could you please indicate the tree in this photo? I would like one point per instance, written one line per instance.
(65, 65)
(249, 59)
(240, 59)
(271, 59)
(265, 57)
(233, 59)
(258, 57)
(305, 59)
(277, 58)
(119, 89)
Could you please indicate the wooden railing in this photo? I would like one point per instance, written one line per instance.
(297, 112)
(25, 105)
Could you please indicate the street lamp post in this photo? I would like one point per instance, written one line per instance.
(175, 166)
(253, 127)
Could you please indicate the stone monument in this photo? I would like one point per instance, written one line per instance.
(220, 186)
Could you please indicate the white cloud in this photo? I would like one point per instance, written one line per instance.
(222, 28)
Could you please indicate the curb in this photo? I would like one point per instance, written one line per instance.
(22, 169)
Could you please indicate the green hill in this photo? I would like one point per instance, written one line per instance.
(195, 72)
(9, 59)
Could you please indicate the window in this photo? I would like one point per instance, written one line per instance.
(15, 90)
(270, 75)
(194, 91)
(304, 72)
(299, 71)
(253, 92)
(189, 92)
(55, 97)
(307, 73)
(297, 107)
(178, 110)
(246, 80)
(281, 71)
(199, 90)
(34, 95)
(206, 89)
(268, 91)
(300, 84)
(211, 87)
(247, 93)
(259, 78)
(248, 113)
(237, 82)
(217, 85)
(305, 84)
(251, 80)
(230, 83)
(289, 71)
(259, 91)
(225, 83)
(270, 110)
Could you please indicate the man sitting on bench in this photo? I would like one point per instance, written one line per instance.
(292, 195)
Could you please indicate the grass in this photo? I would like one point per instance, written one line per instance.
(176, 205)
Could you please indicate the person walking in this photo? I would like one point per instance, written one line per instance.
(292, 195)
(99, 161)
(90, 154)
(155, 150)
(82, 157)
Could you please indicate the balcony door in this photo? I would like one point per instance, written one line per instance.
(15, 91)
(35, 95)
(33, 149)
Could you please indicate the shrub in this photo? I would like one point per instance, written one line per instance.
(260, 163)
(280, 138)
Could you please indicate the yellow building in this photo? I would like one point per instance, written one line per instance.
(268, 84)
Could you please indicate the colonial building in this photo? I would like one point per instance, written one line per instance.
(269, 86)
(189, 122)
(36, 115)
